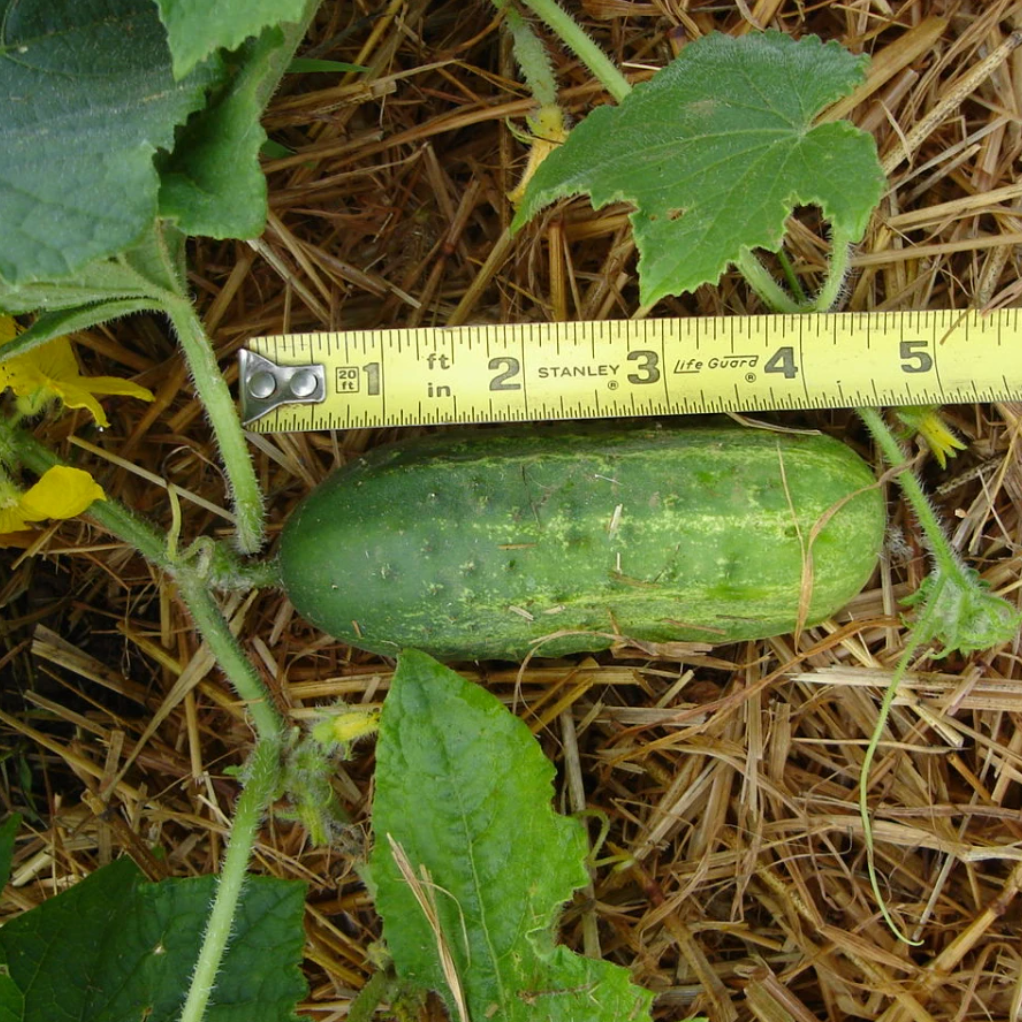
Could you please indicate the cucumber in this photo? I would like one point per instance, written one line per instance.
(478, 545)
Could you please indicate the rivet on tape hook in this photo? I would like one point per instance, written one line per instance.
(265, 385)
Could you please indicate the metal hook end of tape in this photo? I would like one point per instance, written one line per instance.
(264, 385)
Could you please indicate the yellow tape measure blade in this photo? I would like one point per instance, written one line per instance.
(618, 368)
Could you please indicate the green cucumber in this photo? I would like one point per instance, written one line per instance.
(483, 544)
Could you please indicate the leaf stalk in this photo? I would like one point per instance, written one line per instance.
(763, 284)
(18, 446)
(955, 609)
(215, 396)
(224, 568)
(944, 556)
(577, 40)
(837, 270)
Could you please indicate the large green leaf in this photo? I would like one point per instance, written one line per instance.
(86, 100)
(213, 184)
(716, 150)
(114, 948)
(464, 791)
(197, 28)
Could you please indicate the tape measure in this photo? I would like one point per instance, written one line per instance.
(472, 374)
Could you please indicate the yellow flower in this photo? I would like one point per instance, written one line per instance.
(62, 492)
(927, 422)
(50, 371)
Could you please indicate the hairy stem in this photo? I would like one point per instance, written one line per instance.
(17, 446)
(532, 59)
(837, 271)
(229, 655)
(216, 398)
(575, 38)
(264, 772)
(943, 554)
(760, 280)
(792, 277)
(955, 608)
(21, 447)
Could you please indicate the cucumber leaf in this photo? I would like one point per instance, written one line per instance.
(716, 150)
(198, 28)
(213, 184)
(12, 1001)
(115, 947)
(464, 792)
(87, 98)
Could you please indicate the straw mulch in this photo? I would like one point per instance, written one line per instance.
(729, 782)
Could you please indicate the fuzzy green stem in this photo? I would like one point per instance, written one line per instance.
(955, 608)
(532, 59)
(792, 277)
(216, 398)
(378, 988)
(260, 788)
(778, 300)
(229, 655)
(760, 280)
(261, 574)
(837, 271)
(19, 447)
(943, 554)
(575, 38)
